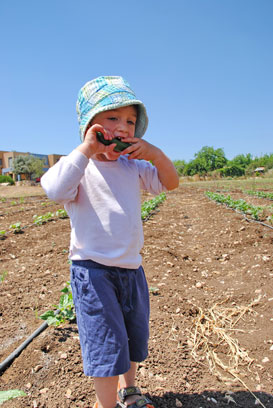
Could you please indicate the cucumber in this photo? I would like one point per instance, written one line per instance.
(120, 146)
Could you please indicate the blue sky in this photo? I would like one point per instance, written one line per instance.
(203, 68)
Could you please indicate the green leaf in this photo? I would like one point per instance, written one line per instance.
(10, 394)
(47, 314)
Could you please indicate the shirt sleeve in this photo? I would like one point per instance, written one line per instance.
(149, 179)
(61, 181)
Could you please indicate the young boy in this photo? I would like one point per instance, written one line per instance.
(100, 189)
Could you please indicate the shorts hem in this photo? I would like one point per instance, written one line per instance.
(110, 372)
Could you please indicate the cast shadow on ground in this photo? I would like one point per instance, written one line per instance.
(211, 399)
(64, 333)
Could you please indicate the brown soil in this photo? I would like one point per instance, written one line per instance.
(201, 260)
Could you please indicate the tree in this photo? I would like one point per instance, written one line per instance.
(232, 170)
(206, 160)
(28, 165)
(179, 165)
(241, 160)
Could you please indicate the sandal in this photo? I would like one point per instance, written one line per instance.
(140, 403)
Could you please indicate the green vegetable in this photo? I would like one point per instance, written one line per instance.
(120, 146)
(10, 394)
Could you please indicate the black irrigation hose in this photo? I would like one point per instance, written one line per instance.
(259, 222)
(6, 363)
(245, 217)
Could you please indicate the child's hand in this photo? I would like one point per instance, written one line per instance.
(141, 149)
(91, 146)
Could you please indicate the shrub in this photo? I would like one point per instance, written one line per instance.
(6, 179)
(232, 170)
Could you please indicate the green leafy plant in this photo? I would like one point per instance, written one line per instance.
(65, 309)
(240, 205)
(6, 179)
(3, 234)
(3, 276)
(61, 213)
(16, 227)
(148, 206)
(42, 219)
(154, 290)
(260, 194)
(10, 394)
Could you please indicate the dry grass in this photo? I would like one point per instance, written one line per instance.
(212, 337)
(20, 191)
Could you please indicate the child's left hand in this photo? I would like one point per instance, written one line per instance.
(140, 149)
(143, 150)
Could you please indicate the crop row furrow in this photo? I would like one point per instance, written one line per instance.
(147, 209)
(255, 212)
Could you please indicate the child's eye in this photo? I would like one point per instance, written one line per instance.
(131, 122)
(112, 118)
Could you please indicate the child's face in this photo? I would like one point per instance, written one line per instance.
(120, 122)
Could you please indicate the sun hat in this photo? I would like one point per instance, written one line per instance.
(106, 93)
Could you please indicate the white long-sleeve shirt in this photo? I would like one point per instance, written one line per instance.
(103, 202)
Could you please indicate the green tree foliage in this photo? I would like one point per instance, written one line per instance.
(265, 161)
(180, 166)
(232, 170)
(206, 160)
(241, 160)
(6, 179)
(28, 165)
(213, 161)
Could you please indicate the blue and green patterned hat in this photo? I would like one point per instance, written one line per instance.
(105, 93)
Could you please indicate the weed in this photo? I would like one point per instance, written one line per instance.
(65, 308)
(3, 276)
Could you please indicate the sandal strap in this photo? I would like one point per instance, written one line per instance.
(143, 402)
(127, 392)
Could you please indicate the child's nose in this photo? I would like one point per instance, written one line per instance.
(122, 126)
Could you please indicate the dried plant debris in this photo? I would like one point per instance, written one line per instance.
(212, 337)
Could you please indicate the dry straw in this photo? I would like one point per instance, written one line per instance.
(211, 337)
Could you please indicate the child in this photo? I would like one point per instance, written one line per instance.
(100, 189)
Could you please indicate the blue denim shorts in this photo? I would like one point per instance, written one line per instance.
(112, 309)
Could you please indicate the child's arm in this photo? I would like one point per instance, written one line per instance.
(61, 181)
(141, 149)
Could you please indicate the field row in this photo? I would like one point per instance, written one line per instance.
(16, 227)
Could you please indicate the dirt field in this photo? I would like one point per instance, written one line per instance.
(210, 276)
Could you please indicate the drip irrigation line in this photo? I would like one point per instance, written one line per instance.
(7, 362)
(259, 222)
(245, 217)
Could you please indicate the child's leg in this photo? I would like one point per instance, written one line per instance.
(128, 379)
(106, 391)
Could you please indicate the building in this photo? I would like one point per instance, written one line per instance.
(6, 160)
(259, 170)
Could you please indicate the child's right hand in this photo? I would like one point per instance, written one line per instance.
(92, 147)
